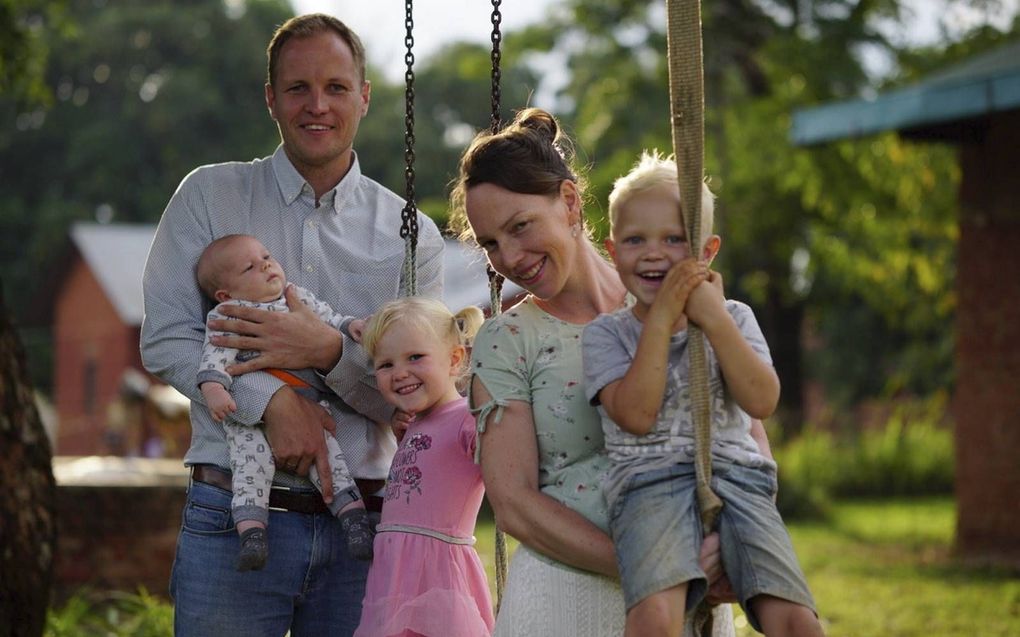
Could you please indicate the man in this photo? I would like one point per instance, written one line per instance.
(338, 233)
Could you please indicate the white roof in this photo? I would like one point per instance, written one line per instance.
(464, 279)
(116, 254)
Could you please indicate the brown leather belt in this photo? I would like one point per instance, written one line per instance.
(281, 497)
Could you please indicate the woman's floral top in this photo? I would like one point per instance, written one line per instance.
(528, 355)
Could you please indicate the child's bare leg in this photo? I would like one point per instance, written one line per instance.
(658, 615)
(783, 617)
(244, 525)
(357, 504)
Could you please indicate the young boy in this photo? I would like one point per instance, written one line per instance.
(637, 372)
(239, 269)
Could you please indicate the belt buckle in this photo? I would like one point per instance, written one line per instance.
(278, 487)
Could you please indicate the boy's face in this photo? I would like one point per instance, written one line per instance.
(249, 273)
(647, 239)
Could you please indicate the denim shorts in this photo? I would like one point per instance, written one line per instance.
(656, 530)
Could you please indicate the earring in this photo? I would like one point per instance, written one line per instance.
(573, 230)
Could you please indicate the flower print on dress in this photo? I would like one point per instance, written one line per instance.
(411, 481)
(420, 442)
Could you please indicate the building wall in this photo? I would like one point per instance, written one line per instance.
(117, 523)
(92, 350)
(986, 404)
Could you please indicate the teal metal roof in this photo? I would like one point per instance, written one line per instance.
(988, 83)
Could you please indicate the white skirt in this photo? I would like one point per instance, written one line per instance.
(544, 600)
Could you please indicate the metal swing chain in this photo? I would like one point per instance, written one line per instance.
(496, 279)
(497, 56)
(409, 216)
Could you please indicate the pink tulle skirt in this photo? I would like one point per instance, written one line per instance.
(426, 586)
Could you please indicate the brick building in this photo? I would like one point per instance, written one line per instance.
(97, 317)
(976, 107)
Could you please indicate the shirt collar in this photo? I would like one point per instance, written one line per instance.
(292, 184)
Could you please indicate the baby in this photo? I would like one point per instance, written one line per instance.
(239, 269)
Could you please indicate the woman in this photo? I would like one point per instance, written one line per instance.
(542, 447)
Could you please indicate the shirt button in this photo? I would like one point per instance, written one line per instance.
(309, 268)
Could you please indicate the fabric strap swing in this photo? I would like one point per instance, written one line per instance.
(409, 219)
(687, 119)
(686, 89)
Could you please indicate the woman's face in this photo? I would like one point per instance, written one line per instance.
(529, 239)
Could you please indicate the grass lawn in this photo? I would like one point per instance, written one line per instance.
(883, 568)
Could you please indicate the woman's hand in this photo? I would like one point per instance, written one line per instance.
(719, 589)
(287, 340)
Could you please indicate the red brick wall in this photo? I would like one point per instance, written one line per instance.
(117, 523)
(116, 538)
(986, 404)
(87, 328)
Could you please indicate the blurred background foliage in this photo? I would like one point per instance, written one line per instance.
(846, 252)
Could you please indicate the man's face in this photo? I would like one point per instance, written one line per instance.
(317, 100)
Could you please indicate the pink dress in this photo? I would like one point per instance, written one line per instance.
(425, 576)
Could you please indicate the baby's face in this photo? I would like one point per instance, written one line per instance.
(250, 272)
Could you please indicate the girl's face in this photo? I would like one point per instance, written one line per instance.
(532, 240)
(415, 371)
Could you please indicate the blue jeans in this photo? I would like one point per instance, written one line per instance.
(310, 585)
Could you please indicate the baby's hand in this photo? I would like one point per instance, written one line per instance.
(357, 329)
(218, 400)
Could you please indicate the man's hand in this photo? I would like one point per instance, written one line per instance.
(287, 340)
(294, 428)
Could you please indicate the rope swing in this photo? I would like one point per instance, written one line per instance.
(687, 118)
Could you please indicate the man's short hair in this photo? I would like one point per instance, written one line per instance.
(304, 26)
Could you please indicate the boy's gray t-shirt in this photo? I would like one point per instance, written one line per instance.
(609, 345)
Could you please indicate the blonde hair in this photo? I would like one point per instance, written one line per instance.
(428, 315)
(654, 169)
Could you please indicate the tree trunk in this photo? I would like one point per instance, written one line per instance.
(27, 499)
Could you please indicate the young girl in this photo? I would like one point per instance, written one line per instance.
(426, 579)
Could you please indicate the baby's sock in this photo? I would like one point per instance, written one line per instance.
(254, 549)
(359, 532)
